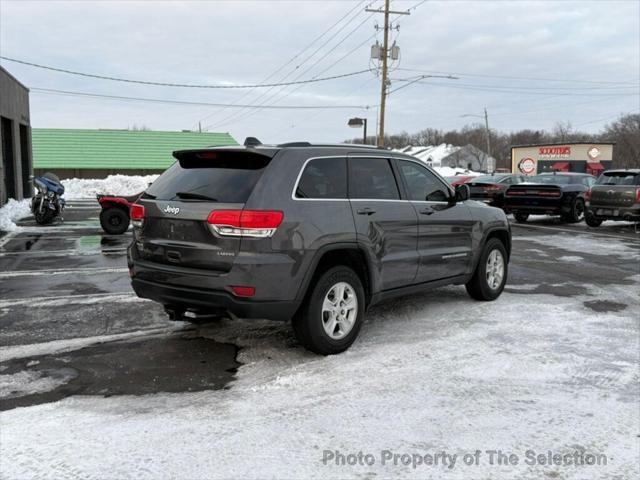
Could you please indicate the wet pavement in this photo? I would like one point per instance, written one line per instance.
(69, 281)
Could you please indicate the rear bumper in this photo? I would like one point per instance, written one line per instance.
(203, 300)
(536, 206)
(611, 212)
(207, 291)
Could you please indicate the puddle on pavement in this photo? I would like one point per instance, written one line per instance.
(603, 306)
(168, 364)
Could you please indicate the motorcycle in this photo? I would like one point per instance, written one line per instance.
(48, 203)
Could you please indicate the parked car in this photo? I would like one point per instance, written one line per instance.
(549, 194)
(615, 196)
(490, 188)
(458, 179)
(114, 216)
(312, 233)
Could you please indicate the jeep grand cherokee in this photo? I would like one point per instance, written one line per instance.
(315, 234)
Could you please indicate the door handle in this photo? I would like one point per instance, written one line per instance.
(366, 211)
(427, 211)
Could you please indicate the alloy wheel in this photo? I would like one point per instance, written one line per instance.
(339, 310)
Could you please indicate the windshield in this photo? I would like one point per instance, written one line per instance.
(552, 179)
(619, 178)
(226, 180)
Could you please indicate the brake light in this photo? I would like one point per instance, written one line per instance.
(549, 194)
(245, 223)
(637, 195)
(513, 193)
(491, 188)
(587, 195)
(241, 291)
(137, 215)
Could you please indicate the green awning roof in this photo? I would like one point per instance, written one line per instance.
(115, 149)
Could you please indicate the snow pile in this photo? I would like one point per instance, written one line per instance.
(453, 171)
(113, 185)
(431, 154)
(12, 211)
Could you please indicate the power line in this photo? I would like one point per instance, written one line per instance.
(523, 92)
(242, 116)
(182, 85)
(275, 72)
(508, 77)
(184, 102)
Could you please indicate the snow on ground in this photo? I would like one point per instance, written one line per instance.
(11, 212)
(22, 383)
(433, 373)
(585, 244)
(113, 184)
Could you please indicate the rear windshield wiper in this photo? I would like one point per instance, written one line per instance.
(195, 196)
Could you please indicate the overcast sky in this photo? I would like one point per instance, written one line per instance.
(532, 64)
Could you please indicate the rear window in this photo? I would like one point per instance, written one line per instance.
(226, 177)
(552, 179)
(619, 178)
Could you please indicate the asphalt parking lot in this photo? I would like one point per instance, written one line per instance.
(550, 365)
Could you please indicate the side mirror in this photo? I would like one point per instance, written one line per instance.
(462, 193)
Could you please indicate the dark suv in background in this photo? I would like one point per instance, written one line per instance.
(312, 233)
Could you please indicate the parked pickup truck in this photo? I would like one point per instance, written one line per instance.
(615, 196)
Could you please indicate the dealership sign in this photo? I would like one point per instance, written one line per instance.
(552, 153)
(528, 166)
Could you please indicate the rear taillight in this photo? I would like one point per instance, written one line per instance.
(245, 223)
(550, 194)
(491, 188)
(137, 215)
(637, 195)
(587, 195)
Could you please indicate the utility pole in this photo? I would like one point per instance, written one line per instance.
(385, 70)
(486, 125)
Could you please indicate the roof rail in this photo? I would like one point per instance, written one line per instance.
(294, 144)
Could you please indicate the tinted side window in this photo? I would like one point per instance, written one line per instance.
(422, 184)
(323, 178)
(372, 178)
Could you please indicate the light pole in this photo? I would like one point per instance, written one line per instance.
(358, 122)
(486, 126)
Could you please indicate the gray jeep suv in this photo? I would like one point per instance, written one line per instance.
(315, 234)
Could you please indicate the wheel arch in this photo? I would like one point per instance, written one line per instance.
(347, 254)
(502, 234)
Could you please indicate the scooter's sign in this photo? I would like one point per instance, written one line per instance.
(528, 166)
(552, 153)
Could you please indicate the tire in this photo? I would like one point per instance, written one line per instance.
(312, 324)
(576, 213)
(520, 217)
(46, 217)
(114, 220)
(479, 287)
(592, 221)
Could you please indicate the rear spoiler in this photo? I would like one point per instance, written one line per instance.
(224, 158)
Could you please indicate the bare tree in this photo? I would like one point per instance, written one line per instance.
(625, 132)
